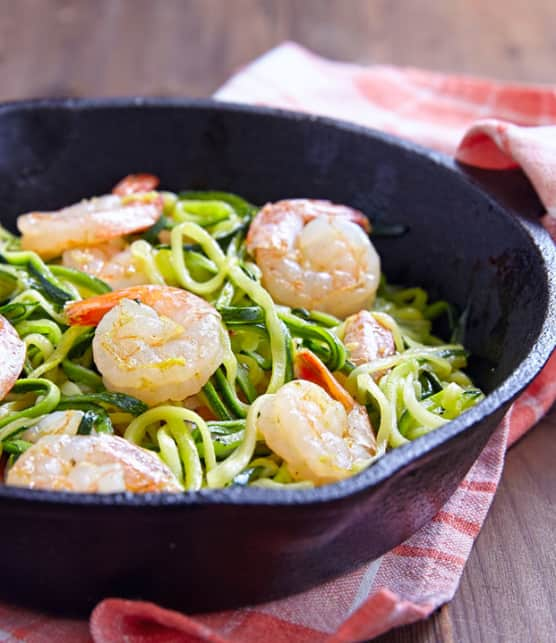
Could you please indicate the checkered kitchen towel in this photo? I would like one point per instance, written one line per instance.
(487, 124)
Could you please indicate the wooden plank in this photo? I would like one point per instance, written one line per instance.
(507, 592)
(189, 47)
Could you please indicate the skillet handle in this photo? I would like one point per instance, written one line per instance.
(511, 188)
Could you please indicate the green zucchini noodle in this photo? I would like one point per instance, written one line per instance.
(212, 440)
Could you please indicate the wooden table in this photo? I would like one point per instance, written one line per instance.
(173, 48)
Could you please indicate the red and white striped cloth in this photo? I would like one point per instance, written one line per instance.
(455, 114)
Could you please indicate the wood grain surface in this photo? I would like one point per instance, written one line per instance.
(175, 48)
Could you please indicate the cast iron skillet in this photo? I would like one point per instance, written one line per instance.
(215, 549)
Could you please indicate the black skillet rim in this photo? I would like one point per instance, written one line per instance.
(392, 461)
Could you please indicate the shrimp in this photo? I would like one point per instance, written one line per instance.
(91, 464)
(113, 262)
(309, 367)
(156, 343)
(314, 254)
(136, 183)
(88, 223)
(12, 350)
(314, 434)
(57, 423)
(367, 339)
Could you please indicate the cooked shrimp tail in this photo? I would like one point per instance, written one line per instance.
(89, 312)
(309, 367)
(136, 183)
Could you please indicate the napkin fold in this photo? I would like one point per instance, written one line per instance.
(484, 123)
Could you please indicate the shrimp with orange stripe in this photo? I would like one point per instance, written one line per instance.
(156, 343)
(89, 235)
(317, 428)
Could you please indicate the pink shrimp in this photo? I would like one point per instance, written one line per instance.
(113, 262)
(90, 222)
(157, 343)
(314, 434)
(316, 255)
(367, 339)
(91, 464)
(315, 425)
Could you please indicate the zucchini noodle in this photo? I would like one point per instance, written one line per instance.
(29, 300)
(417, 410)
(46, 400)
(136, 430)
(224, 472)
(144, 255)
(67, 342)
(195, 232)
(211, 440)
(388, 433)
